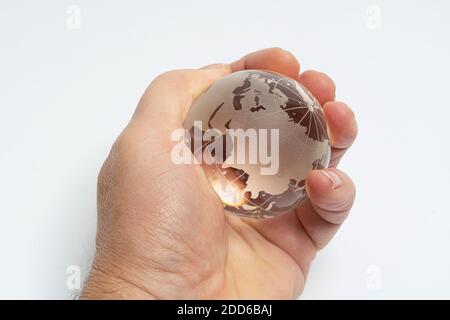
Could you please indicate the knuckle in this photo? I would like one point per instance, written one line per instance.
(120, 146)
(333, 216)
(170, 77)
(278, 51)
(123, 151)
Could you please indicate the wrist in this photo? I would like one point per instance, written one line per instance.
(103, 285)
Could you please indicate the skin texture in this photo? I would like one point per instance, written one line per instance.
(162, 232)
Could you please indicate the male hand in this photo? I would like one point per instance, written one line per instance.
(162, 231)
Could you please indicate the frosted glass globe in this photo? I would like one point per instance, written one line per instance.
(257, 135)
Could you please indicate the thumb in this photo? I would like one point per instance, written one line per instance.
(167, 99)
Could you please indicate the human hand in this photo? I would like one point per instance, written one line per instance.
(162, 232)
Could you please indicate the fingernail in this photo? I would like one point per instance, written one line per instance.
(333, 177)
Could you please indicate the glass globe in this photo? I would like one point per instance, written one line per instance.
(257, 135)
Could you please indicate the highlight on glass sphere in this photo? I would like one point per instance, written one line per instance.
(257, 135)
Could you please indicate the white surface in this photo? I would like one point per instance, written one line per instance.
(66, 94)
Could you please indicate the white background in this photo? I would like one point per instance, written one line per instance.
(66, 93)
